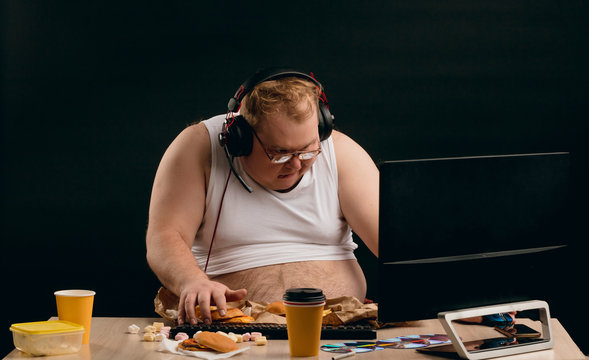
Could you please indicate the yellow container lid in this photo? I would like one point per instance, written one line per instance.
(47, 327)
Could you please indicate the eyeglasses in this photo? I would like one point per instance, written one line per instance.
(281, 158)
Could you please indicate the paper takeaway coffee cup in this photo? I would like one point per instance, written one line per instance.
(304, 312)
(76, 306)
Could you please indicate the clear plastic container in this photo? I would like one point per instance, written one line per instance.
(47, 337)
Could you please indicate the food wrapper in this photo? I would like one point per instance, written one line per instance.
(338, 311)
(348, 310)
(171, 346)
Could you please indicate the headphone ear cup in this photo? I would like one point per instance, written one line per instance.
(325, 121)
(239, 137)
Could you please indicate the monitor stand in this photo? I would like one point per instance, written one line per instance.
(462, 327)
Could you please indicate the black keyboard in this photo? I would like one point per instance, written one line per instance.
(278, 331)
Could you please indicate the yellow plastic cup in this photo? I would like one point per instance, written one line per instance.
(76, 306)
(304, 312)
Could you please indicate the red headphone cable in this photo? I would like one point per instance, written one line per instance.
(217, 222)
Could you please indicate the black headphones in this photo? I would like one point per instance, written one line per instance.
(237, 136)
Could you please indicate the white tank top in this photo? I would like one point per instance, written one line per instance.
(267, 227)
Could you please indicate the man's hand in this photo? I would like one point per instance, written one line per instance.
(205, 292)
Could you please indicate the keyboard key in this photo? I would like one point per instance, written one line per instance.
(278, 331)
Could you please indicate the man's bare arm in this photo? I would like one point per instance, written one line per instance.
(175, 214)
(358, 189)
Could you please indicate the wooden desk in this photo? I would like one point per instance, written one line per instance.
(109, 340)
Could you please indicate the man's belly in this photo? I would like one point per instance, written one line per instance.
(268, 283)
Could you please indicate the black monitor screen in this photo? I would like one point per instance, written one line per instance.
(453, 229)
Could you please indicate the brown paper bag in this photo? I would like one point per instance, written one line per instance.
(338, 311)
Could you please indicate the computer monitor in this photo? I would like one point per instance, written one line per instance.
(463, 232)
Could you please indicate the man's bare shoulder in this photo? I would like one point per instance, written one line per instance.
(339, 137)
(350, 155)
(187, 160)
(192, 145)
(344, 145)
(196, 135)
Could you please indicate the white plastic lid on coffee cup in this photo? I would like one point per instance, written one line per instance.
(75, 293)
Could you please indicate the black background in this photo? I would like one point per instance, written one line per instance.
(93, 93)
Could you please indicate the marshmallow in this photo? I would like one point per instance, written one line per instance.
(246, 337)
(255, 334)
(133, 329)
(181, 336)
(261, 340)
(149, 329)
(235, 337)
(149, 336)
(160, 337)
(158, 326)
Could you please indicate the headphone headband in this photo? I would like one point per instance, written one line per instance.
(266, 75)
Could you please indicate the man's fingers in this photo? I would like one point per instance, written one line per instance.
(207, 293)
(220, 302)
(235, 295)
(189, 304)
(221, 299)
(204, 302)
(181, 312)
